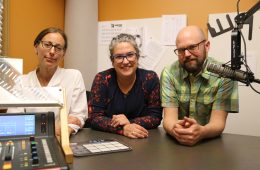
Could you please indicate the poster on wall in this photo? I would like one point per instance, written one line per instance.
(150, 33)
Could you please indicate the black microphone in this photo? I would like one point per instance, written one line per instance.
(236, 49)
(226, 71)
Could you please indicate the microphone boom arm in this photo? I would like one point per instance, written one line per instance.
(242, 17)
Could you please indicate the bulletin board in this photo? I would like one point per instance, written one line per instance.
(150, 30)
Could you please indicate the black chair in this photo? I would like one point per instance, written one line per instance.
(87, 122)
(88, 95)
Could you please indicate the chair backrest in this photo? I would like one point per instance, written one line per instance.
(87, 95)
(87, 122)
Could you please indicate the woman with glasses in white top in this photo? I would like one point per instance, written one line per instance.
(50, 47)
(125, 99)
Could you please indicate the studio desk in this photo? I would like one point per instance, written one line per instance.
(161, 152)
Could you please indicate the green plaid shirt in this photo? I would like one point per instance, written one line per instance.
(197, 96)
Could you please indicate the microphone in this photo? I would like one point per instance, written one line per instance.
(236, 49)
(226, 72)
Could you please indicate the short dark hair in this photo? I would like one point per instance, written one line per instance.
(123, 38)
(51, 30)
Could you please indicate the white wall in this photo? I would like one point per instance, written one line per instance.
(81, 26)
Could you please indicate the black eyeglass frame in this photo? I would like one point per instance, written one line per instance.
(119, 58)
(57, 48)
(190, 48)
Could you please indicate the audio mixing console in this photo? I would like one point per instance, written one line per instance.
(27, 141)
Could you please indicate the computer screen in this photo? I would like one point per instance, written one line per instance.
(17, 125)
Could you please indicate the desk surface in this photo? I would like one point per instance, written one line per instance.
(160, 152)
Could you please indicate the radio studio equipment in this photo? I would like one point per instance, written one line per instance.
(240, 20)
(21, 135)
(226, 71)
(28, 141)
(233, 72)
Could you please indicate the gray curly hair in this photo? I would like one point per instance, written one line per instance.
(123, 38)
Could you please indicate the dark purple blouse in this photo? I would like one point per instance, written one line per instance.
(142, 105)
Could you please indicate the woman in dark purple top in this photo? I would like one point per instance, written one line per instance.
(125, 99)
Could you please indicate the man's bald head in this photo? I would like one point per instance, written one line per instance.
(190, 32)
(192, 48)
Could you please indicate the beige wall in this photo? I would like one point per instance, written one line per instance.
(26, 19)
(197, 11)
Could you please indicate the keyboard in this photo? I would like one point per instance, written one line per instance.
(97, 147)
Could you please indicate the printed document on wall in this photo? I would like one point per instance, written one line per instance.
(171, 25)
(153, 53)
(108, 30)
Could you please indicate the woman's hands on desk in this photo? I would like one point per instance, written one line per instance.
(119, 120)
(135, 131)
(130, 130)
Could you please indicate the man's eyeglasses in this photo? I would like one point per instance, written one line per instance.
(119, 58)
(48, 45)
(192, 48)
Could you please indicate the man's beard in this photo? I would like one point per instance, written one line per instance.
(193, 68)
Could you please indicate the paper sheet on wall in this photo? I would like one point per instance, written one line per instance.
(171, 25)
(153, 54)
(108, 30)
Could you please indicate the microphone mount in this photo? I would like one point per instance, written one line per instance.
(240, 19)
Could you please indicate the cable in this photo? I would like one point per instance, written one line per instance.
(238, 7)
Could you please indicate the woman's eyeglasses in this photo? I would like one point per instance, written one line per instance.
(48, 45)
(119, 58)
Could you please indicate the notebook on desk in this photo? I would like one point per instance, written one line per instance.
(97, 147)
